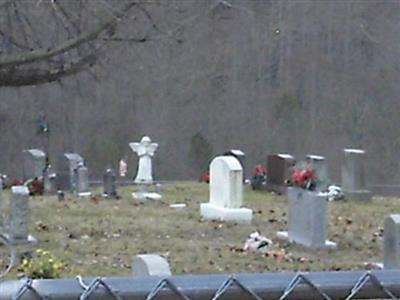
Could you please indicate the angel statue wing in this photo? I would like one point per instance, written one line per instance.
(135, 147)
(152, 148)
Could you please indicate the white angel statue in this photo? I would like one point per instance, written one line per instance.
(145, 151)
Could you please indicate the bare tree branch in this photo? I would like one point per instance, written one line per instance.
(33, 76)
(39, 55)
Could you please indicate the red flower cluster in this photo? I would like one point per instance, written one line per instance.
(205, 178)
(260, 170)
(305, 178)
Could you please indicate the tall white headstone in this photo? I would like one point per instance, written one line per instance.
(145, 151)
(226, 192)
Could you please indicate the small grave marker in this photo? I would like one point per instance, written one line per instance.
(150, 265)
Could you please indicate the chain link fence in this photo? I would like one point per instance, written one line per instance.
(314, 285)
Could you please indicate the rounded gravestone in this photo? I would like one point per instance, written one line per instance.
(150, 265)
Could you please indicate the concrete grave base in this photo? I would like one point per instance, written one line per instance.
(144, 196)
(361, 195)
(283, 235)
(23, 246)
(376, 265)
(212, 212)
(85, 194)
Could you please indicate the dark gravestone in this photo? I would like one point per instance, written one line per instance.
(67, 163)
(109, 183)
(279, 168)
(34, 163)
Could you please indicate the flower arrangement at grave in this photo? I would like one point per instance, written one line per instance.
(303, 177)
(43, 265)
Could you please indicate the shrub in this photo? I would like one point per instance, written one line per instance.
(42, 265)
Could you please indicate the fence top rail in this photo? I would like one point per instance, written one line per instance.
(289, 285)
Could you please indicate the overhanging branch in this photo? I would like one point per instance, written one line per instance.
(39, 55)
(32, 76)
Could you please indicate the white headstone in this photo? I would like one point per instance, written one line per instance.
(353, 176)
(307, 219)
(226, 187)
(226, 192)
(145, 151)
(391, 242)
(150, 265)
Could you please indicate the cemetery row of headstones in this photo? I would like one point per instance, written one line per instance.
(353, 177)
(71, 176)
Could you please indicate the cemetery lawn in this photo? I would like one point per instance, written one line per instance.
(100, 238)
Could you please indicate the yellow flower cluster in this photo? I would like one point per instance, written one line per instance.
(42, 265)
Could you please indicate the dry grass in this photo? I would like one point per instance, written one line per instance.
(100, 239)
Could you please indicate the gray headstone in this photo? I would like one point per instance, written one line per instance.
(109, 182)
(1, 205)
(279, 169)
(353, 176)
(50, 185)
(67, 163)
(239, 155)
(81, 180)
(319, 165)
(34, 163)
(150, 265)
(307, 219)
(391, 242)
(19, 223)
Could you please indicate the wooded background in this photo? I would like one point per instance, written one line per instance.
(262, 76)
